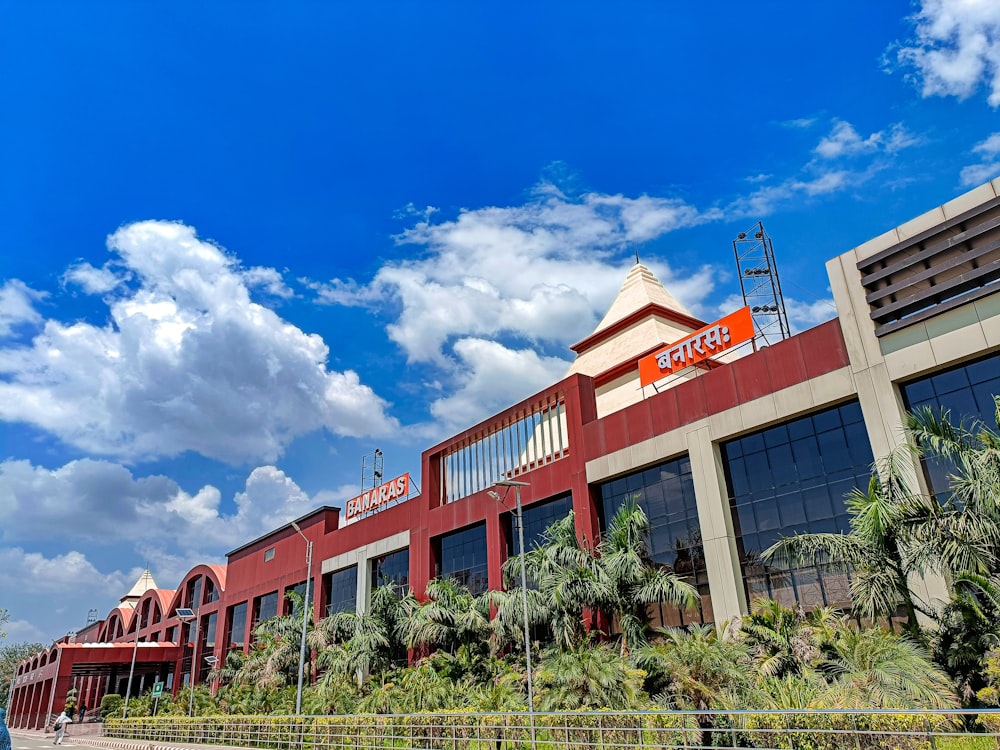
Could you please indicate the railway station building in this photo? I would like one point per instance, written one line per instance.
(725, 457)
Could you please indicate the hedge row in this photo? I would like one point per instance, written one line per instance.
(563, 731)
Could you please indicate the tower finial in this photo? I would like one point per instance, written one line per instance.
(637, 255)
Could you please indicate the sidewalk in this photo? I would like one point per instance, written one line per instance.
(112, 743)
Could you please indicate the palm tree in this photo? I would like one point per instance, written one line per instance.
(451, 616)
(367, 643)
(876, 668)
(563, 579)
(587, 677)
(274, 658)
(689, 669)
(633, 581)
(882, 548)
(618, 578)
(968, 629)
(965, 534)
(785, 641)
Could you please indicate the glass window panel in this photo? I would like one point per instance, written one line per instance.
(951, 390)
(780, 458)
(288, 605)
(919, 392)
(806, 457)
(835, 451)
(791, 510)
(538, 517)
(776, 436)
(791, 492)
(766, 514)
(826, 420)
(752, 443)
(950, 381)
(265, 607)
(463, 558)
(343, 590)
(666, 494)
(392, 570)
(851, 413)
(237, 629)
(983, 370)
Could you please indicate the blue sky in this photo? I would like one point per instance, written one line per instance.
(246, 243)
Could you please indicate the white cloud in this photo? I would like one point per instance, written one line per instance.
(102, 502)
(989, 165)
(63, 588)
(769, 198)
(269, 280)
(956, 49)
(803, 315)
(844, 140)
(492, 378)
(99, 513)
(17, 306)
(543, 271)
(187, 363)
(92, 280)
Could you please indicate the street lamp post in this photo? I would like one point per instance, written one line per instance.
(508, 483)
(131, 671)
(186, 615)
(305, 618)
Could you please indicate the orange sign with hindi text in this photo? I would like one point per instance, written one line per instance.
(715, 338)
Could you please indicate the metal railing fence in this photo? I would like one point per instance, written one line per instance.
(584, 730)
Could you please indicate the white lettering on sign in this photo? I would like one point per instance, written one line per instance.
(372, 500)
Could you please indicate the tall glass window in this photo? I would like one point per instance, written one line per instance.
(538, 517)
(392, 570)
(462, 557)
(236, 636)
(265, 607)
(967, 391)
(194, 592)
(289, 607)
(343, 591)
(210, 624)
(791, 479)
(665, 492)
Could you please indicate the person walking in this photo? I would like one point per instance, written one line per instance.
(60, 726)
(4, 734)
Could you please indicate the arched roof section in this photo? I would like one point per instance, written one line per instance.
(215, 573)
(161, 599)
(152, 600)
(116, 624)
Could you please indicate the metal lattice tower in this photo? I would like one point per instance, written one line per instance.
(761, 286)
(372, 470)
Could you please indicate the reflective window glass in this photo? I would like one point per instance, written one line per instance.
(392, 570)
(343, 590)
(666, 494)
(237, 629)
(462, 557)
(967, 391)
(796, 486)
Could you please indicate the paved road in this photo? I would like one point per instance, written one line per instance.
(24, 740)
(36, 741)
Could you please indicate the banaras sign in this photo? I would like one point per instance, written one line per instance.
(706, 342)
(375, 499)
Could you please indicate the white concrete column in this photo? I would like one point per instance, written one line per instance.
(725, 579)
